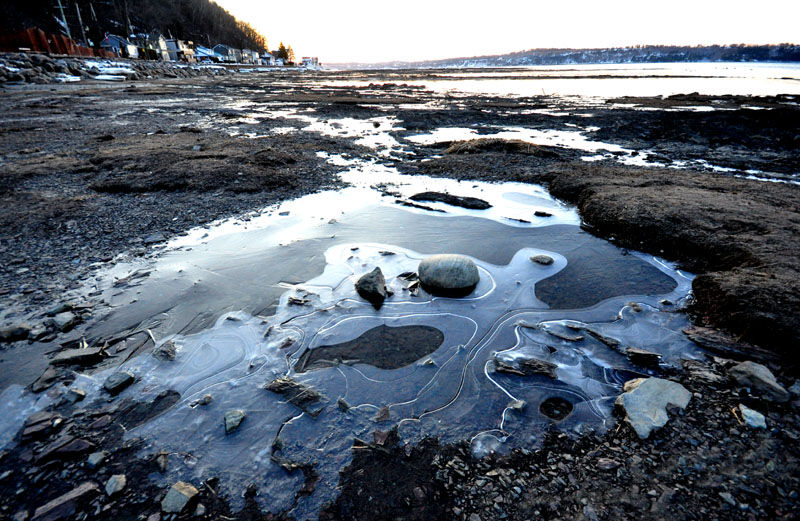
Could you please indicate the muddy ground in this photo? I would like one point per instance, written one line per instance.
(94, 172)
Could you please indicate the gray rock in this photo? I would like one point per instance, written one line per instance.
(753, 418)
(14, 333)
(178, 497)
(372, 287)
(86, 356)
(200, 510)
(166, 352)
(544, 260)
(607, 464)
(65, 321)
(645, 401)
(59, 508)
(118, 382)
(760, 380)
(233, 419)
(115, 484)
(96, 459)
(449, 275)
(472, 203)
(154, 238)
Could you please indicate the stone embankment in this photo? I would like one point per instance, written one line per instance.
(42, 69)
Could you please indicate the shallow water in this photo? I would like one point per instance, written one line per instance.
(612, 81)
(247, 302)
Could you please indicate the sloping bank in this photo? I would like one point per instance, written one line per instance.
(741, 237)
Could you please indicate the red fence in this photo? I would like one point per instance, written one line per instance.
(36, 40)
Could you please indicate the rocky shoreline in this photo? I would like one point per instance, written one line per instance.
(92, 172)
(21, 68)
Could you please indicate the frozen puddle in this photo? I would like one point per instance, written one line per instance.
(535, 347)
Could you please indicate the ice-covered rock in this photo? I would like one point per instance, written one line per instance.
(449, 275)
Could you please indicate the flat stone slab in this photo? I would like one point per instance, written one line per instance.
(645, 402)
(118, 382)
(63, 506)
(86, 356)
(178, 497)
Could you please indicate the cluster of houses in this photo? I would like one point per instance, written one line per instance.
(156, 47)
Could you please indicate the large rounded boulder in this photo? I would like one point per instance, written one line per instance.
(449, 275)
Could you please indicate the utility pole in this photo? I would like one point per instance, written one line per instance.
(80, 21)
(64, 19)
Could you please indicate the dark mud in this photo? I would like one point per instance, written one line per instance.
(398, 347)
(91, 172)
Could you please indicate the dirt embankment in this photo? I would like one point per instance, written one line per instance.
(741, 237)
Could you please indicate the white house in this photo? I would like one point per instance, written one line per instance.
(311, 62)
(267, 59)
(180, 51)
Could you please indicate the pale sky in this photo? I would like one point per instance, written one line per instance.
(409, 30)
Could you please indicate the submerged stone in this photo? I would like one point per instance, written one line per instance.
(642, 357)
(233, 419)
(298, 394)
(383, 346)
(544, 260)
(118, 382)
(166, 352)
(645, 402)
(449, 275)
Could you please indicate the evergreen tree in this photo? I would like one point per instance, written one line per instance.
(282, 53)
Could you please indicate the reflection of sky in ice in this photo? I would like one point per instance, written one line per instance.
(454, 393)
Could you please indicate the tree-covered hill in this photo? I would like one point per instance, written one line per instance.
(785, 52)
(201, 21)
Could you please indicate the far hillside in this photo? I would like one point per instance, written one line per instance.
(784, 52)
